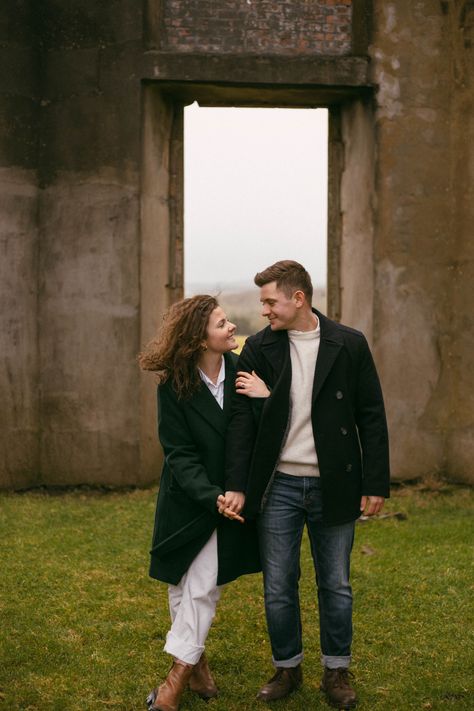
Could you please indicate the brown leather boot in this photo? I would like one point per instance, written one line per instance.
(336, 685)
(201, 681)
(281, 684)
(168, 695)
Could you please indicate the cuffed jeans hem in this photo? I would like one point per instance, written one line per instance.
(335, 662)
(184, 651)
(289, 663)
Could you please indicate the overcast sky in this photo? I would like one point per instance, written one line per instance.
(255, 192)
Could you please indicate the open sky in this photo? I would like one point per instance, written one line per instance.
(255, 192)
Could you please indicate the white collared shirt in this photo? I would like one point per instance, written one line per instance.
(217, 389)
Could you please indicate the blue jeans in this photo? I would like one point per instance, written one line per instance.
(292, 502)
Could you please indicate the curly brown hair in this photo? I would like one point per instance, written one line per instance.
(174, 353)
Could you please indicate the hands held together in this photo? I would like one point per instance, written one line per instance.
(231, 504)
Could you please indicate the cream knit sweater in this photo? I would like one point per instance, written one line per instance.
(298, 456)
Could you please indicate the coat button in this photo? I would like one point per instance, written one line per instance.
(348, 467)
(339, 395)
(343, 431)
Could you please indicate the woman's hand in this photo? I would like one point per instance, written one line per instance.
(251, 385)
(231, 504)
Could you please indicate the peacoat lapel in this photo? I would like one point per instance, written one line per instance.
(329, 347)
(204, 403)
(276, 350)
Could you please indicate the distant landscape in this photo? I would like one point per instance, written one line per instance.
(242, 304)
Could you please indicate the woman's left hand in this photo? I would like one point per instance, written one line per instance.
(225, 509)
(251, 385)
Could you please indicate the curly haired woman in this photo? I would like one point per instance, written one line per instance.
(199, 543)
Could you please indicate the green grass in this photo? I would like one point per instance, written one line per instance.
(82, 625)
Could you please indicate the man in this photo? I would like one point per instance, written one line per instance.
(316, 453)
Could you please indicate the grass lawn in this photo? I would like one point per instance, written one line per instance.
(82, 625)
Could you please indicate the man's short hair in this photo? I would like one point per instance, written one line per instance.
(289, 277)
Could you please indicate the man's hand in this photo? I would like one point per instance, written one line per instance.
(371, 505)
(231, 504)
(235, 500)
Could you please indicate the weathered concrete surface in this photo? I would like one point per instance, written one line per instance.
(357, 196)
(91, 223)
(156, 255)
(70, 222)
(19, 418)
(458, 338)
(89, 259)
(422, 304)
(89, 332)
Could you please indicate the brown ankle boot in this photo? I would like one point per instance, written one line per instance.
(336, 684)
(282, 683)
(168, 695)
(201, 681)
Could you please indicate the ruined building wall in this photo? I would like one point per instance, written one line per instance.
(70, 218)
(90, 120)
(19, 116)
(423, 216)
(89, 253)
(458, 339)
(293, 27)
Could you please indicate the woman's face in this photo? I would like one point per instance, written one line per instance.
(220, 332)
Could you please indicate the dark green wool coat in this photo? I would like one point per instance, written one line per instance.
(192, 433)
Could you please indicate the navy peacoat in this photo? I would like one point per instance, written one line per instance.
(348, 422)
(192, 432)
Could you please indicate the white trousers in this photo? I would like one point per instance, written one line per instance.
(193, 605)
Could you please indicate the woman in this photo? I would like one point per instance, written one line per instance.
(195, 549)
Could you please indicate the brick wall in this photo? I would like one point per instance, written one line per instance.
(257, 26)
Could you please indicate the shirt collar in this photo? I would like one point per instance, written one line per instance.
(220, 377)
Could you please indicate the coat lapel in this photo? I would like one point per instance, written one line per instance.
(329, 347)
(204, 402)
(276, 350)
(229, 384)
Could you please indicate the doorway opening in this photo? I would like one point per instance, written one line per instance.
(255, 191)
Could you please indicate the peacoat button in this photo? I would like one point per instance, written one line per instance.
(348, 467)
(339, 395)
(343, 430)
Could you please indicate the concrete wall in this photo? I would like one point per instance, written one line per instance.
(91, 209)
(90, 249)
(458, 333)
(19, 116)
(422, 267)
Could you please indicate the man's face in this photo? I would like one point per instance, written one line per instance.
(280, 310)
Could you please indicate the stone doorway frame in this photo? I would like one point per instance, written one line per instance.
(351, 162)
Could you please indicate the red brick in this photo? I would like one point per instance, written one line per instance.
(272, 26)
